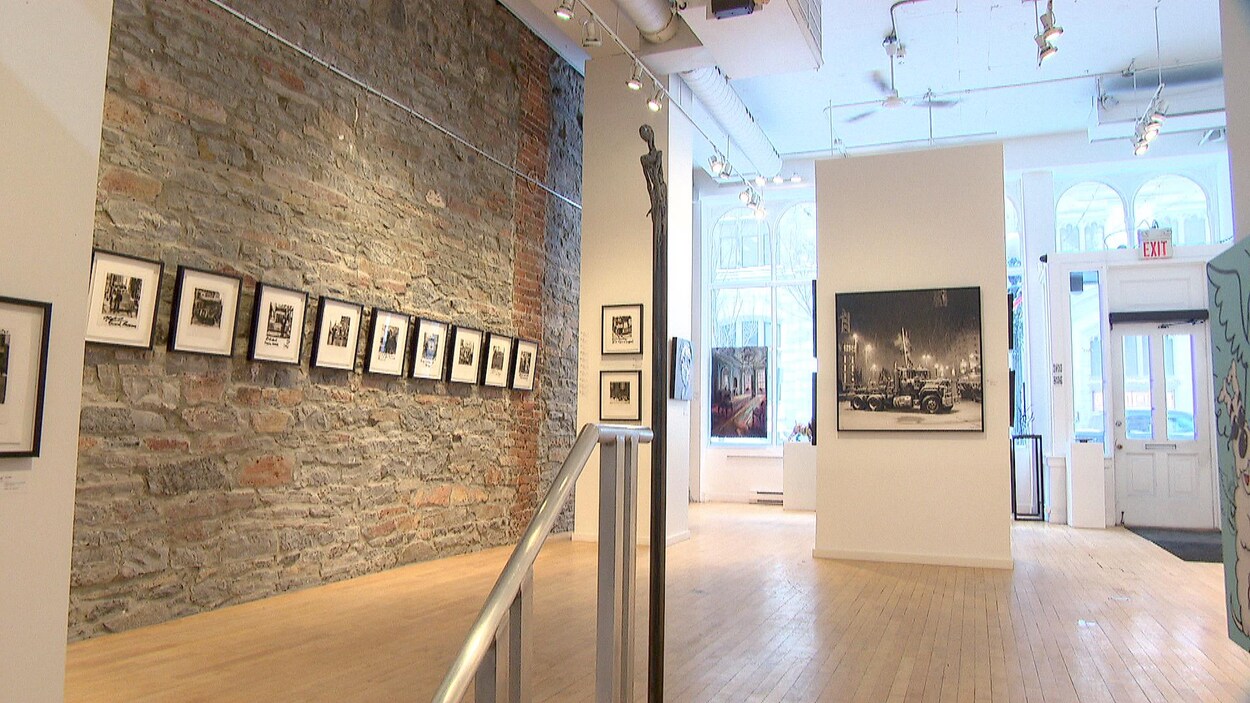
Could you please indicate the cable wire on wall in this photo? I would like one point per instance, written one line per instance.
(254, 24)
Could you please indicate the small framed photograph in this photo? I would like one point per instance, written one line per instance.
(498, 361)
(429, 354)
(25, 327)
(204, 314)
(524, 365)
(466, 355)
(620, 396)
(622, 329)
(388, 342)
(337, 336)
(277, 324)
(682, 359)
(122, 301)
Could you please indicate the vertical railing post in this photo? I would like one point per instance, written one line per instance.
(520, 643)
(485, 681)
(618, 479)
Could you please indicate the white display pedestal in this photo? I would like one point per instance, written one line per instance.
(798, 476)
(1087, 488)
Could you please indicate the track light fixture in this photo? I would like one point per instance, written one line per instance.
(1046, 30)
(590, 35)
(1045, 49)
(565, 11)
(635, 79)
(760, 180)
(1050, 30)
(760, 212)
(746, 196)
(716, 164)
(777, 179)
(657, 101)
(796, 178)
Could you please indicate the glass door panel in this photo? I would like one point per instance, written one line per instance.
(1178, 370)
(1138, 409)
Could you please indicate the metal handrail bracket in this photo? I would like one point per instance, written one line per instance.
(495, 652)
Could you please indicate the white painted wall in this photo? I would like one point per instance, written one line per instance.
(616, 268)
(915, 220)
(1235, 24)
(52, 63)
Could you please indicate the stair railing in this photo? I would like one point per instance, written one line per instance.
(497, 652)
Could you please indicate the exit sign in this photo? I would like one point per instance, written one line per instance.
(1155, 243)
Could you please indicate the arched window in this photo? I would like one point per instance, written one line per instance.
(1175, 202)
(1015, 247)
(1090, 217)
(740, 247)
(796, 242)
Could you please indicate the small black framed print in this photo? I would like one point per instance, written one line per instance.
(498, 362)
(429, 353)
(25, 328)
(620, 396)
(277, 324)
(388, 342)
(524, 365)
(122, 301)
(622, 329)
(466, 355)
(337, 335)
(205, 312)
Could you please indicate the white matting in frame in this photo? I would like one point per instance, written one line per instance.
(525, 365)
(24, 332)
(498, 361)
(466, 355)
(205, 312)
(338, 335)
(121, 307)
(388, 342)
(277, 324)
(429, 354)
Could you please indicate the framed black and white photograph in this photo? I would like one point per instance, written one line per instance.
(682, 355)
(277, 324)
(122, 302)
(205, 312)
(524, 365)
(622, 329)
(465, 355)
(910, 360)
(429, 353)
(739, 392)
(388, 342)
(620, 396)
(498, 361)
(337, 336)
(25, 328)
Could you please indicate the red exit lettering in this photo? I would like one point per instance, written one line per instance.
(1155, 249)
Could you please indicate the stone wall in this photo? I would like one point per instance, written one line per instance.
(206, 481)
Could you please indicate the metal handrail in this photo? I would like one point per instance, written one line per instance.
(517, 571)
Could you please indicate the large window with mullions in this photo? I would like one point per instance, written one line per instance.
(759, 295)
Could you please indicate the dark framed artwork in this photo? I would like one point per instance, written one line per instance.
(622, 329)
(498, 361)
(910, 360)
(739, 392)
(388, 342)
(465, 356)
(277, 324)
(429, 353)
(682, 354)
(524, 365)
(620, 396)
(121, 306)
(25, 329)
(338, 334)
(205, 312)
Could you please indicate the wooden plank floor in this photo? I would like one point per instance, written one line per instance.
(1085, 616)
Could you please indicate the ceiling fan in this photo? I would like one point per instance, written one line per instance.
(892, 99)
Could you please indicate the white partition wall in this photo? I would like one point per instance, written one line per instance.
(52, 63)
(1235, 36)
(927, 219)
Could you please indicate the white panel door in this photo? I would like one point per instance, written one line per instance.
(1164, 472)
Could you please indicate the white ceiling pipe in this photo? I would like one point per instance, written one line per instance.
(654, 18)
(711, 88)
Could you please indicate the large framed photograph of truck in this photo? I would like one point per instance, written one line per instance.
(910, 360)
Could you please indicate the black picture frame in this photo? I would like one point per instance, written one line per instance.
(928, 388)
(216, 306)
(523, 378)
(681, 369)
(464, 340)
(108, 313)
(280, 323)
(29, 342)
(622, 330)
(612, 406)
(429, 363)
(329, 353)
(385, 354)
(496, 369)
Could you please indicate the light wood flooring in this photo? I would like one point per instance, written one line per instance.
(1085, 616)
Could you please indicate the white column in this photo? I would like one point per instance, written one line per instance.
(52, 63)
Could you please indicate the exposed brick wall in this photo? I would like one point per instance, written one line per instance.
(206, 481)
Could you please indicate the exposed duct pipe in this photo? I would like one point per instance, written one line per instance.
(654, 18)
(713, 90)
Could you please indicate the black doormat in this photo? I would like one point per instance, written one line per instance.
(1190, 545)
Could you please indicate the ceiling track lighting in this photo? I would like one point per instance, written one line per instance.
(1046, 31)
(1050, 30)
(1150, 124)
(566, 10)
(796, 178)
(635, 79)
(716, 164)
(656, 103)
(590, 35)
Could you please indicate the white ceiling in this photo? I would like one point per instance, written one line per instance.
(980, 52)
